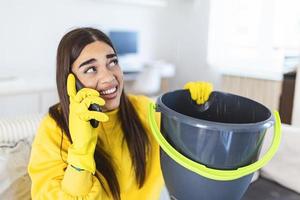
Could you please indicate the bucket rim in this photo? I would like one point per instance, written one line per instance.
(206, 124)
(222, 175)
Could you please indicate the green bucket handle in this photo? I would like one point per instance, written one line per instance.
(214, 174)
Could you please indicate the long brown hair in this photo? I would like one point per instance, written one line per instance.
(135, 135)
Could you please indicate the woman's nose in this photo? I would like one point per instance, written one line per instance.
(106, 76)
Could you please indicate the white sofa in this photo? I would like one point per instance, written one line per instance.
(16, 136)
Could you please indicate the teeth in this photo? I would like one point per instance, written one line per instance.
(109, 91)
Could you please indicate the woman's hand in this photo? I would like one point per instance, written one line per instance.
(84, 137)
(200, 91)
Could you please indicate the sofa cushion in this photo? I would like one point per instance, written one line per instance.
(284, 168)
(15, 181)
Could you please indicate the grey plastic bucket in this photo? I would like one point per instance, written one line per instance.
(228, 135)
(225, 137)
(183, 184)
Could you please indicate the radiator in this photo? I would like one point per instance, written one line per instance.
(16, 128)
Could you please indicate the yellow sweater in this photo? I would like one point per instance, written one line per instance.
(53, 179)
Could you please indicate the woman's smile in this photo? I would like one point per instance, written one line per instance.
(110, 93)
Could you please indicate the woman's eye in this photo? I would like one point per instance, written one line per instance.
(90, 70)
(113, 63)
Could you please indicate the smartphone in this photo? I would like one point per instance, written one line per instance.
(93, 107)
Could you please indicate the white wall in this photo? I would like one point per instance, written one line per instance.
(185, 39)
(31, 30)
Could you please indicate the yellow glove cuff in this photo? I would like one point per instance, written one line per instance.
(81, 160)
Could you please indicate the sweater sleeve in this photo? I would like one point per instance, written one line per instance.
(51, 176)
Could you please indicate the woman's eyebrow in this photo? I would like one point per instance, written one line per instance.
(87, 62)
(111, 55)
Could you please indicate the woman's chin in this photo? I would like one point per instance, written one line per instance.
(109, 106)
(112, 101)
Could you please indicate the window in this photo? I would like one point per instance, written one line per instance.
(254, 37)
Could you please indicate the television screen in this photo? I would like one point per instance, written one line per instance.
(125, 42)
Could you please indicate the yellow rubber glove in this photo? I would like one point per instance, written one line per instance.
(200, 91)
(84, 136)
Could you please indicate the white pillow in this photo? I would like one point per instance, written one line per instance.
(284, 168)
(15, 182)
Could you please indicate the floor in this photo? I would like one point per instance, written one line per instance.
(263, 189)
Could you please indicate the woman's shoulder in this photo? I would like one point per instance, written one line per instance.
(48, 123)
(48, 131)
(140, 101)
(141, 104)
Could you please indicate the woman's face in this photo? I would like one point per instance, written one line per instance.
(97, 67)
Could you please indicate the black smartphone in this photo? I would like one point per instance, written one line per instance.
(93, 107)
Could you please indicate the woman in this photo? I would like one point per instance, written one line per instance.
(119, 159)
